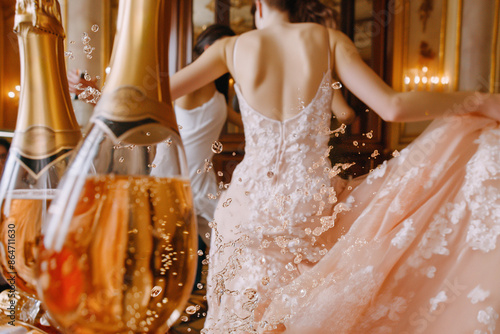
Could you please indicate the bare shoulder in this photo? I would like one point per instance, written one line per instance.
(342, 45)
(338, 37)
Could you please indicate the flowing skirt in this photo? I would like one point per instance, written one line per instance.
(418, 249)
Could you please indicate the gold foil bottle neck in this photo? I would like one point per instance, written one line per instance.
(43, 15)
(135, 88)
(46, 129)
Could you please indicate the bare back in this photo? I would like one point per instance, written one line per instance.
(279, 69)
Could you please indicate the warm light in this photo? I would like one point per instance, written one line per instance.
(425, 69)
(108, 69)
(11, 94)
(435, 80)
(18, 88)
(445, 80)
(424, 80)
(416, 80)
(407, 80)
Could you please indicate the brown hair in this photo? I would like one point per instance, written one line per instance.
(306, 11)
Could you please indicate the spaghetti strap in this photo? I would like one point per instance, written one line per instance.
(234, 56)
(329, 51)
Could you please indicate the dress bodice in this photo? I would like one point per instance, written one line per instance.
(286, 165)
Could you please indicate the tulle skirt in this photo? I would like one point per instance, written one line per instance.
(418, 249)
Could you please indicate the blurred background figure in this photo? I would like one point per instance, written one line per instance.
(201, 115)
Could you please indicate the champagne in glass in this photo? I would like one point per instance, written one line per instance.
(119, 250)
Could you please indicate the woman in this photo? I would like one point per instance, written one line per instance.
(201, 115)
(275, 221)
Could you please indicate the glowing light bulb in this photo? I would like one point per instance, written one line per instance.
(11, 94)
(18, 88)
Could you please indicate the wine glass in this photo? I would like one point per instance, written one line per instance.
(119, 251)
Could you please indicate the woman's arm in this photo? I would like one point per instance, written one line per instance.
(208, 67)
(403, 107)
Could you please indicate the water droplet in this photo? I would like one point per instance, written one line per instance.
(211, 196)
(98, 77)
(198, 171)
(207, 235)
(355, 143)
(156, 291)
(396, 153)
(369, 135)
(68, 53)
(85, 39)
(265, 280)
(95, 28)
(191, 309)
(87, 76)
(89, 56)
(227, 202)
(303, 293)
(336, 85)
(184, 318)
(168, 141)
(122, 159)
(217, 147)
(375, 153)
(270, 174)
(308, 231)
(72, 42)
(87, 49)
(200, 252)
(298, 259)
(199, 286)
(207, 165)
(220, 173)
(148, 134)
(290, 267)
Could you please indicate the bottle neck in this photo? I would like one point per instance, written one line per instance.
(136, 91)
(135, 59)
(45, 109)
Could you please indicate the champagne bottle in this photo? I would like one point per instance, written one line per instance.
(119, 251)
(46, 133)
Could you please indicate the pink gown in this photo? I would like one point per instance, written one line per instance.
(421, 254)
(263, 234)
(418, 252)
